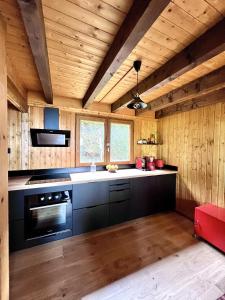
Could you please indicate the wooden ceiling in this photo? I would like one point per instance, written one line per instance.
(79, 34)
(19, 55)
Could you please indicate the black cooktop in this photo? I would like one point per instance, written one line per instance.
(46, 178)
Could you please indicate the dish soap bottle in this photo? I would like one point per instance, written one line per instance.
(93, 167)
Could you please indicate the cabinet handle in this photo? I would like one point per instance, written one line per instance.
(91, 206)
(119, 184)
(120, 190)
(120, 201)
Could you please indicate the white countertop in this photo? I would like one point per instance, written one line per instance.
(19, 183)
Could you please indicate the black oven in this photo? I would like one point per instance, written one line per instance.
(48, 214)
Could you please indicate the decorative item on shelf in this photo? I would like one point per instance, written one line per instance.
(147, 141)
(140, 142)
(112, 168)
(152, 139)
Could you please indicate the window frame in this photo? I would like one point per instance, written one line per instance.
(107, 127)
(91, 118)
(127, 122)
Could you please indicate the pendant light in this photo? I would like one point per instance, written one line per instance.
(137, 103)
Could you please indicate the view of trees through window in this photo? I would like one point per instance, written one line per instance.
(93, 139)
(119, 142)
(92, 144)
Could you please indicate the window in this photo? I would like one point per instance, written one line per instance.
(91, 140)
(120, 141)
(103, 141)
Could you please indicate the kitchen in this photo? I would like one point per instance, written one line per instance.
(112, 149)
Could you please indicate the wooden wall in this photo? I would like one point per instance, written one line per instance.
(23, 156)
(195, 142)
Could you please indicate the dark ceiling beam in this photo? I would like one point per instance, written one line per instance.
(201, 86)
(33, 19)
(139, 19)
(15, 97)
(210, 99)
(208, 45)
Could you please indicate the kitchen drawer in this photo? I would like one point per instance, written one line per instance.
(90, 194)
(119, 184)
(118, 212)
(87, 219)
(119, 195)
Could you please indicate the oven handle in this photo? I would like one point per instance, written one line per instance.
(47, 206)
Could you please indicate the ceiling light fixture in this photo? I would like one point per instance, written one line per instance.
(137, 103)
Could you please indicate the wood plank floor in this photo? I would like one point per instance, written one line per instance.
(152, 258)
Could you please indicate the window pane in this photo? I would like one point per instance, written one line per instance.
(119, 142)
(92, 141)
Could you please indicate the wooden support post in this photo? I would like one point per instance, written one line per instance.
(4, 249)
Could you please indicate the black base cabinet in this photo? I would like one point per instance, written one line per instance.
(118, 212)
(97, 205)
(90, 218)
(152, 194)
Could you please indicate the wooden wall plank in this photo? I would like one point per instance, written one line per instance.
(4, 247)
(194, 141)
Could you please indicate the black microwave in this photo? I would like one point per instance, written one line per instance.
(50, 138)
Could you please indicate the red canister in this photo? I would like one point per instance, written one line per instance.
(159, 163)
(151, 165)
(140, 163)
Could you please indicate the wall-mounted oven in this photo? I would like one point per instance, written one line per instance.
(48, 214)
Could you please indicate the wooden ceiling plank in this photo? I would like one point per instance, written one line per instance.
(202, 86)
(212, 98)
(138, 21)
(34, 24)
(78, 36)
(79, 13)
(71, 42)
(77, 25)
(201, 10)
(101, 9)
(208, 45)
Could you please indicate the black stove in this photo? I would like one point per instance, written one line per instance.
(46, 178)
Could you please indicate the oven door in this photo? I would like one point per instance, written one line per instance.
(48, 219)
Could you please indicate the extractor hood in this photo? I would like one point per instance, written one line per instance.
(50, 136)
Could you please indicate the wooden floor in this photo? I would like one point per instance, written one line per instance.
(150, 258)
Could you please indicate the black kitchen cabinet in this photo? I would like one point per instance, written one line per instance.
(16, 205)
(166, 192)
(118, 212)
(143, 200)
(90, 218)
(90, 194)
(152, 194)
